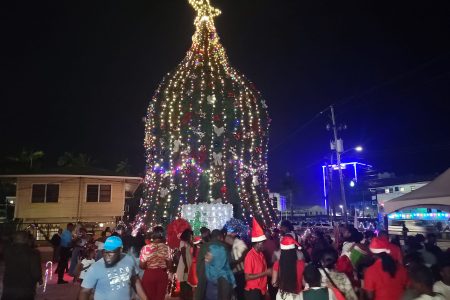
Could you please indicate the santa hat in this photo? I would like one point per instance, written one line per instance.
(378, 245)
(197, 240)
(287, 243)
(257, 232)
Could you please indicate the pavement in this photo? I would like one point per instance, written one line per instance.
(54, 291)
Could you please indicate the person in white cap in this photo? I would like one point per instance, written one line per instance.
(255, 267)
(285, 276)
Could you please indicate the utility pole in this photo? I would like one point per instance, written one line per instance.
(338, 146)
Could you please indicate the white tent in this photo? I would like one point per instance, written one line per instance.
(436, 194)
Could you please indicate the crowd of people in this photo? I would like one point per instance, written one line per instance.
(275, 264)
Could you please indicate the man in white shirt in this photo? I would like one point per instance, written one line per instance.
(443, 286)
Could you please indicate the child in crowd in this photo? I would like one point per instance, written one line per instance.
(84, 264)
(315, 291)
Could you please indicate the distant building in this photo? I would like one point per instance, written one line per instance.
(50, 201)
(388, 192)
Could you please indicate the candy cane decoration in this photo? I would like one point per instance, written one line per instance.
(48, 270)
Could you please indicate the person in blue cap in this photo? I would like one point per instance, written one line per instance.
(113, 276)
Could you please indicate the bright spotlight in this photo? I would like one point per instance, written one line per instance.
(359, 148)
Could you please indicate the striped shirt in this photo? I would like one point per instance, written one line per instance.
(155, 255)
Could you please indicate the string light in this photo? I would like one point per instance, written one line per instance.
(206, 135)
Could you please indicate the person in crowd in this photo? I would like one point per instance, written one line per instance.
(99, 243)
(352, 255)
(315, 291)
(215, 238)
(332, 278)
(192, 276)
(22, 269)
(154, 260)
(56, 242)
(238, 252)
(185, 263)
(431, 246)
(368, 236)
(405, 231)
(270, 246)
(287, 273)
(84, 265)
(205, 233)
(219, 277)
(255, 267)
(416, 245)
(386, 279)
(394, 250)
(286, 228)
(64, 254)
(421, 280)
(113, 276)
(443, 286)
(79, 245)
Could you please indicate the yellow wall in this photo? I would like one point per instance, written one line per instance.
(71, 202)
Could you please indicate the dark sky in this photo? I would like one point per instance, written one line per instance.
(78, 75)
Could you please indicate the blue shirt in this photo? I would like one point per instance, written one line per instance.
(113, 283)
(66, 238)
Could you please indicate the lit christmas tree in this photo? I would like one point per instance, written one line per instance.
(206, 135)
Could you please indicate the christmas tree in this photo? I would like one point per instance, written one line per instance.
(206, 135)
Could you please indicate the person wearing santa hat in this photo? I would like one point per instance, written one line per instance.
(255, 267)
(386, 279)
(285, 276)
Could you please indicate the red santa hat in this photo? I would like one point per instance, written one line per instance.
(257, 232)
(197, 240)
(287, 243)
(378, 245)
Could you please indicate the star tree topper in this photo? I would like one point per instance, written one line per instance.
(204, 10)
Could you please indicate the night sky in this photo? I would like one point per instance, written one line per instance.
(78, 76)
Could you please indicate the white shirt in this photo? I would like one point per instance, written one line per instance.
(85, 264)
(442, 288)
(99, 245)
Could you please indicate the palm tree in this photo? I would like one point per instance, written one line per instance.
(68, 159)
(123, 167)
(27, 157)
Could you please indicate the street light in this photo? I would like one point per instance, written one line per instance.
(359, 148)
(342, 208)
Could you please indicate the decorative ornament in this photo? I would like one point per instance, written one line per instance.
(263, 103)
(211, 99)
(172, 187)
(176, 146)
(217, 158)
(219, 131)
(255, 180)
(216, 118)
(164, 192)
(223, 189)
(237, 227)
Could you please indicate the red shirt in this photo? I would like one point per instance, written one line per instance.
(300, 269)
(382, 284)
(254, 264)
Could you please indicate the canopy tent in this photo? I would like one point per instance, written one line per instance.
(436, 194)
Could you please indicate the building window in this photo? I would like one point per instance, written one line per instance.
(98, 193)
(402, 189)
(413, 188)
(386, 191)
(45, 193)
(391, 190)
(396, 189)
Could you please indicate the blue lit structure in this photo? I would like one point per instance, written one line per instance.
(350, 170)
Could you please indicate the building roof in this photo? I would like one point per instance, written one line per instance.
(436, 194)
(66, 172)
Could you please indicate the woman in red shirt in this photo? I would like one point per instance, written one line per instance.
(386, 279)
(288, 279)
